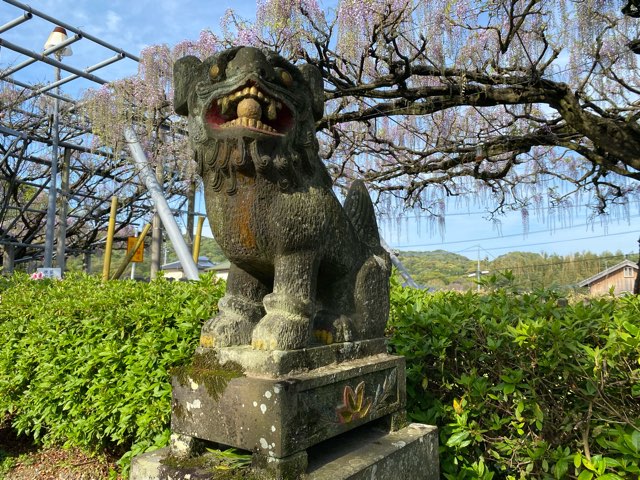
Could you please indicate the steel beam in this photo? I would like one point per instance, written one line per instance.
(162, 207)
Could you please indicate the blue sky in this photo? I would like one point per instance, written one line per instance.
(132, 25)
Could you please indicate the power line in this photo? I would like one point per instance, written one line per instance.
(564, 262)
(515, 235)
(563, 241)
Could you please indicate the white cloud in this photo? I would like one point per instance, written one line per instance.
(112, 21)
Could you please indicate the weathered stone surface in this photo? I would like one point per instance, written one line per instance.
(276, 363)
(278, 417)
(362, 454)
(304, 269)
(366, 453)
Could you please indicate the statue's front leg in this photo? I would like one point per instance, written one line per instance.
(290, 308)
(239, 311)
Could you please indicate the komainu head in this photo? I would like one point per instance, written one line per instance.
(251, 110)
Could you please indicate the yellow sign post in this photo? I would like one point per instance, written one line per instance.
(138, 256)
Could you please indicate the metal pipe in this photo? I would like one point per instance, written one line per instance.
(50, 61)
(107, 249)
(399, 265)
(68, 79)
(21, 19)
(79, 148)
(196, 243)
(31, 87)
(149, 179)
(127, 259)
(48, 51)
(51, 208)
(69, 27)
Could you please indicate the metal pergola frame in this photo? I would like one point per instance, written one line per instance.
(90, 168)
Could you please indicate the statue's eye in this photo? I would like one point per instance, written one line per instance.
(214, 71)
(286, 78)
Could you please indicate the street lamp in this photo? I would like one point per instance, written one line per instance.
(57, 37)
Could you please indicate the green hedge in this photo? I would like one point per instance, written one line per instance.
(522, 387)
(85, 363)
(519, 386)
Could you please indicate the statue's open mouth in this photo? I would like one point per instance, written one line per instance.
(250, 108)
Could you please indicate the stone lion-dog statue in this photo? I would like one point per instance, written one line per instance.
(304, 269)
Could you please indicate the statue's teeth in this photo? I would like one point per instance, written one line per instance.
(254, 91)
(271, 110)
(224, 105)
(278, 105)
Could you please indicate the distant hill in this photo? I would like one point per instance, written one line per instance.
(440, 269)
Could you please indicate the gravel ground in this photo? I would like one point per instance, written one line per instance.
(21, 460)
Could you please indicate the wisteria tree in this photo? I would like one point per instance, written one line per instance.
(518, 103)
(514, 104)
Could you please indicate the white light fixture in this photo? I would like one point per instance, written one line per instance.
(56, 37)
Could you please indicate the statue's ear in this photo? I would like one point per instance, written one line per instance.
(186, 72)
(313, 77)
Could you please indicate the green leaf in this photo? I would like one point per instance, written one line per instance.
(577, 459)
(509, 388)
(585, 475)
(457, 438)
(634, 441)
(631, 328)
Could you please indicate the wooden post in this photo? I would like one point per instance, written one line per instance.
(156, 235)
(129, 256)
(196, 243)
(63, 199)
(107, 249)
(191, 206)
(87, 262)
(9, 259)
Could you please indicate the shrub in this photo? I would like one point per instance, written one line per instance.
(521, 387)
(85, 363)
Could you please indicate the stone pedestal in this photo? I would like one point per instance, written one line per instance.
(279, 405)
(364, 453)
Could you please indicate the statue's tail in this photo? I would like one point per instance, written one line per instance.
(359, 209)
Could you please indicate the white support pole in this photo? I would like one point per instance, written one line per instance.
(399, 265)
(162, 207)
(53, 185)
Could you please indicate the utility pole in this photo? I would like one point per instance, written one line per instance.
(478, 270)
(636, 285)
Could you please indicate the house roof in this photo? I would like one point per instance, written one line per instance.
(607, 272)
(203, 264)
(226, 265)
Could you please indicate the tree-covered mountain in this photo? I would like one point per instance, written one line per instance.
(443, 270)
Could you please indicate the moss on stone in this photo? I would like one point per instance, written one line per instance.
(205, 369)
(210, 463)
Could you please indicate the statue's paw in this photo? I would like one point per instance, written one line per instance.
(329, 330)
(281, 331)
(226, 330)
(325, 337)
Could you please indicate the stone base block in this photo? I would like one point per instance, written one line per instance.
(410, 453)
(366, 453)
(279, 417)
